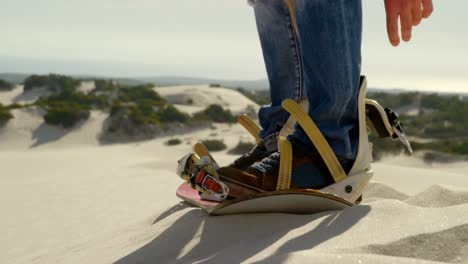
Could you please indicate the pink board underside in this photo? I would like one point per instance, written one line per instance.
(190, 195)
(294, 202)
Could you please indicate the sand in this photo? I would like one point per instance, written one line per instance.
(67, 199)
(194, 98)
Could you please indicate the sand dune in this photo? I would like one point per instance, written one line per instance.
(8, 97)
(193, 98)
(66, 199)
(28, 130)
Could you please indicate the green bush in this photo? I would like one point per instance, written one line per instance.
(173, 142)
(171, 114)
(104, 85)
(69, 95)
(261, 97)
(143, 106)
(140, 93)
(5, 86)
(140, 115)
(14, 106)
(67, 115)
(116, 108)
(242, 148)
(429, 157)
(100, 101)
(394, 100)
(214, 144)
(383, 146)
(53, 82)
(447, 117)
(215, 113)
(448, 146)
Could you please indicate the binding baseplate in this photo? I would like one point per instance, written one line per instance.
(201, 175)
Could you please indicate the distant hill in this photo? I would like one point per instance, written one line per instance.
(251, 85)
(15, 78)
(179, 80)
(18, 78)
(159, 81)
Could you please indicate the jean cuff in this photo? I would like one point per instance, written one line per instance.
(251, 2)
(271, 142)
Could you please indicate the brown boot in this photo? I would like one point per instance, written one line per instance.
(258, 153)
(237, 186)
(308, 171)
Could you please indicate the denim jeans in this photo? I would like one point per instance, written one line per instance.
(312, 50)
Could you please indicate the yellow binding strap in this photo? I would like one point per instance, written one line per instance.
(317, 139)
(195, 158)
(201, 150)
(285, 170)
(250, 126)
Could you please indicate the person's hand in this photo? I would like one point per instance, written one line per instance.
(410, 13)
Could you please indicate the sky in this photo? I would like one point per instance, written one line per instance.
(211, 39)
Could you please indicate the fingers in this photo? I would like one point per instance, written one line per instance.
(406, 21)
(410, 13)
(392, 29)
(416, 12)
(428, 8)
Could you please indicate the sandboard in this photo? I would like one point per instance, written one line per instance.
(291, 202)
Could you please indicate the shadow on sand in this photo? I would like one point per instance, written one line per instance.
(236, 238)
(46, 134)
(31, 95)
(174, 209)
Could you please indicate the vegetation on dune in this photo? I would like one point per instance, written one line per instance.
(66, 115)
(173, 142)
(104, 86)
(5, 86)
(53, 82)
(144, 106)
(435, 123)
(260, 97)
(449, 146)
(170, 114)
(140, 104)
(215, 113)
(141, 94)
(214, 144)
(140, 112)
(441, 118)
(394, 101)
(67, 107)
(215, 85)
(385, 146)
(5, 115)
(139, 115)
(241, 148)
(66, 96)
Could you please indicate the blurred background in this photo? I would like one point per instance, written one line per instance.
(100, 50)
(214, 39)
(99, 99)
